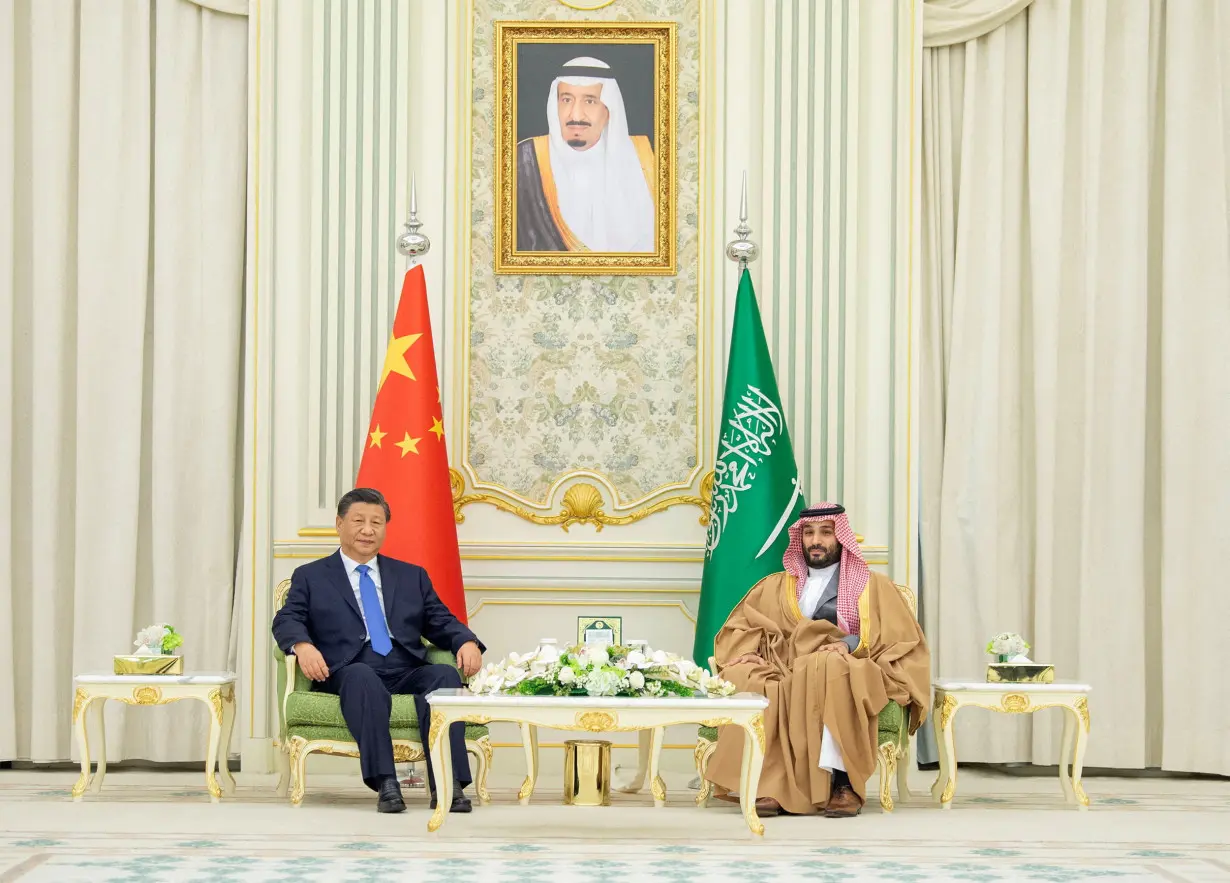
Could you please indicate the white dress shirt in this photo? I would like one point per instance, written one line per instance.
(353, 573)
(818, 579)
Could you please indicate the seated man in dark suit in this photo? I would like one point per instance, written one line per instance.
(356, 621)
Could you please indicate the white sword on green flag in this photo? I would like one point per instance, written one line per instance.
(781, 522)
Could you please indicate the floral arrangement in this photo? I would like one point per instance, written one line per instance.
(159, 639)
(1007, 646)
(595, 670)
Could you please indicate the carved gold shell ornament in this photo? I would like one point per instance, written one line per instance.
(582, 503)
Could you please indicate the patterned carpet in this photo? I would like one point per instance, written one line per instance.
(1005, 830)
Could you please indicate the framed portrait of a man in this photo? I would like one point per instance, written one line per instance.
(585, 149)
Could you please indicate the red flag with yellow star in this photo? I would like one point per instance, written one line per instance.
(406, 458)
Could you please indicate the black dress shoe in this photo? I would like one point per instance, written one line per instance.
(461, 803)
(390, 799)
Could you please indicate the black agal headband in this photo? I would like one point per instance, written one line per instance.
(822, 512)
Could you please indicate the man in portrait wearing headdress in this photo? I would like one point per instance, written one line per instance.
(587, 184)
(829, 643)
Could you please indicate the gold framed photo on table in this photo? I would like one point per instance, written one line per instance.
(585, 148)
(606, 630)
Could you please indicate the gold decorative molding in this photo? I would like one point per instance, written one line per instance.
(437, 725)
(659, 789)
(215, 702)
(757, 724)
(592, 6)
(888, 768)
(949, 789)
(1015, 703)
(1082, 708)
(582, 504)
(485, 746)
(80, 699)
(404, 753)
(948, 706)
(701, 753)
(597, 721)
(147, 696)
(527, 788)
(280, 593)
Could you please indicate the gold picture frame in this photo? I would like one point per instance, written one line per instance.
(531, 235)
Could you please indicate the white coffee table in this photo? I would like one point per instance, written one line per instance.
(593, 714)
(215, 688)
(951, 696)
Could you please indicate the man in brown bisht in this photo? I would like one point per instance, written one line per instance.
(829, 643)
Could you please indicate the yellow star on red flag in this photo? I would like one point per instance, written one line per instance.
(376, 435)
(409, 444)
(437, 427)
(395, 357)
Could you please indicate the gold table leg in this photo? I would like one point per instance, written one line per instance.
(442, 766)
(81, 705)
(97, 707)
(1080, 715)
(211, 752)
(529, 741)
(946, 783)
(224, 748)
(644, 745)
(656, 785)
(749, 773)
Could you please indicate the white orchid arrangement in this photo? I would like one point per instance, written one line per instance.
(1007, 645)
(159, 639)
(595, 670)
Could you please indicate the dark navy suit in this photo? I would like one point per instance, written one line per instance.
(321, 609)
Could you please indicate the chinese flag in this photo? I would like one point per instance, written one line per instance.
(405, 457)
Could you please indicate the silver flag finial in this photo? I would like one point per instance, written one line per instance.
(411, 242)
(741, 249)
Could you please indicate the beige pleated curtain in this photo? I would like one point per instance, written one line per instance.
(122, 173)
(1075, 433)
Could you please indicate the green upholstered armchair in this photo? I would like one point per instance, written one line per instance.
(312, 722)
(894, 742)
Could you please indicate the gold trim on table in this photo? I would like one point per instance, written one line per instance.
(212, 689)
(1014, 699)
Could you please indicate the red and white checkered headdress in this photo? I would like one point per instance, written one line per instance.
(854, 574)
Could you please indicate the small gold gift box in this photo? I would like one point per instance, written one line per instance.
(149, 665)
(1020, 673)
(587, 773)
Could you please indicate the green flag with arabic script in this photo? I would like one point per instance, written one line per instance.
(756, 493)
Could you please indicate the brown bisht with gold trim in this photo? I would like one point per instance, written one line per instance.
(808, 690)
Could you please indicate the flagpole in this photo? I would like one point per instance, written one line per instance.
(411, 242)
(741, 249)
(413, 245)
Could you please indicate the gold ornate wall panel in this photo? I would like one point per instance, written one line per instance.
(597, 377)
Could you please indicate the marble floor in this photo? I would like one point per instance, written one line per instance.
(161, 826)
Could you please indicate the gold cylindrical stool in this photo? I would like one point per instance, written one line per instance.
(587, 773)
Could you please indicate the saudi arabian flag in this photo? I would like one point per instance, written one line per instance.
(756, 493)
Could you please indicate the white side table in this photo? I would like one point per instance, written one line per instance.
(951, 696)
(215, 688)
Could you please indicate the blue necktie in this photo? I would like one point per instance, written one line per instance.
(377, 630)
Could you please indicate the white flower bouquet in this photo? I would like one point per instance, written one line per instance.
(159, 639)
(1006, 646)
(598, 671)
